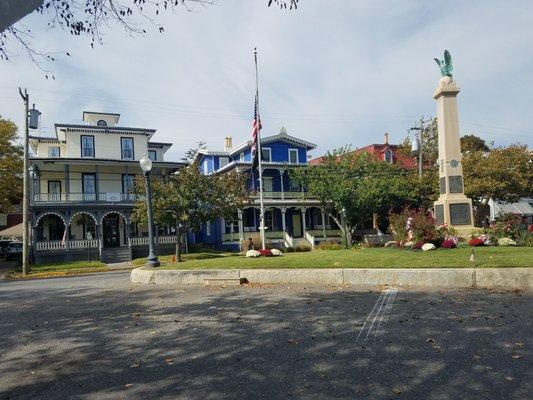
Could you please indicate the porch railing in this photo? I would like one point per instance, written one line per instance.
(143, 241)
(329, 232)
(279, 195)
(288, 239)
(310, 238)
(103, 197)
(53, 245)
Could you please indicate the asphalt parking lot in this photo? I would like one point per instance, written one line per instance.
(99, 337)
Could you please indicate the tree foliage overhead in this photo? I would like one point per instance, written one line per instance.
(191, 153)
(359, 183)
(504, 174)
(89, 18)
(473, 143)
(189, 199)
(11, 162)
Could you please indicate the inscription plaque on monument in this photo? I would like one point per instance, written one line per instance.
(456, 184)
(460, 214)
(442, 185)
(439, 214)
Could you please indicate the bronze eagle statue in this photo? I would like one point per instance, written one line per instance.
(445, 65)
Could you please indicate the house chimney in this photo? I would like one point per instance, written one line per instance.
(228, 143)
(386, 138)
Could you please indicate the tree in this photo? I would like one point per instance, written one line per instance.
(358, 183)
(473, 143)
(189, 199)
(504, 174)
(191, 153)
(10, 165)
(88, 17)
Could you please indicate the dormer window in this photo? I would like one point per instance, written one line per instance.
(293, 156)
(101, 122)
(223, 161)
(388, 156)
(126, 145)
(54, 152)
(152, 155)
(266, 154)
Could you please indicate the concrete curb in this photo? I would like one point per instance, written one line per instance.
(488, 278)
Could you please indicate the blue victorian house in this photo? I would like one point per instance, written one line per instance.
(292, 219)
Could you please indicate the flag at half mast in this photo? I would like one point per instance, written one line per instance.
(256, 127)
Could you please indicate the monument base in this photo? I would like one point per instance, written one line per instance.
(455, 212)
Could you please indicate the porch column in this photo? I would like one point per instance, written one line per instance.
(222, 228)
(374, 221)
(67, 182)
(283, 223)
(241, 229)
(281, 172)
(323, 222)
(99, 238)
(304, 210)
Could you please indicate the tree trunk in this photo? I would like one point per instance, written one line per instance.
(178, 245)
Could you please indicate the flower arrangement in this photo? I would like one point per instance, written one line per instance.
(452, 238)
(266, 253)
(505, 241)
(475, 242)
(276, 252)
(448, 244)
(391, 243)
(408, 245)
(428, 247)
(253, 253)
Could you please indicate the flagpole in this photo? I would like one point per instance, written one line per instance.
(259, 155)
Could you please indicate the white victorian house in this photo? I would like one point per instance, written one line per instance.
(81, 190)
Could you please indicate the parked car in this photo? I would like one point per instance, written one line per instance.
(14, 251)
(3, 248)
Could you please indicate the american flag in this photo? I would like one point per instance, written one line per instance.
(256, 127)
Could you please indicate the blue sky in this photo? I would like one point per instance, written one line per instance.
(333, 73)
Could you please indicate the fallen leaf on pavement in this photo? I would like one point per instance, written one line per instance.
(516, 356)
(509, 378)
(396, 391)
(291, 341)
(134, 365)
(128, 385)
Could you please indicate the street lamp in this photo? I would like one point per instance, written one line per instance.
(146, 166)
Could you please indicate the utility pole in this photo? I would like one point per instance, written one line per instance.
(26, 186)
(419, 150)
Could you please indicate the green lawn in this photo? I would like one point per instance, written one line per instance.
(488, 257)
(60, 269)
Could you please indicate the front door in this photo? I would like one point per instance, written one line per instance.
(111, 231)
(296, 225)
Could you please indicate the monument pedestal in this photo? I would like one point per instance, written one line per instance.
(452, 208)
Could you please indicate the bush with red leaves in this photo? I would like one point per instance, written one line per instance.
(474, 242)
(266, 253)
(448, 244)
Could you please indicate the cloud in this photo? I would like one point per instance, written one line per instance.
(332, 73)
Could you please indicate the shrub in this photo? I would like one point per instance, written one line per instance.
(266, 253)
(525, 238)
(413, 225)
(448, 244)
(302, 249)
(428, 246)
(289, 249)
(475, 242)
(328, 246)
(505, 241)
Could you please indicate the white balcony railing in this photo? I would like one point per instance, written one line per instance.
(103, 197)
(49, 245)
(54, 245)
(143, 241)
(82, 244)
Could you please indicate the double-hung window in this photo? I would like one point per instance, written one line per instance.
(152, 155)
(128, 181)
(293, 156)
(223, 161)
(54, 190)
(126, 146)
(54, 152)
(266, 154)
(87, 146)
(88, 183)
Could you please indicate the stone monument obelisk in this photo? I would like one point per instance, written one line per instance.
(452, 208)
